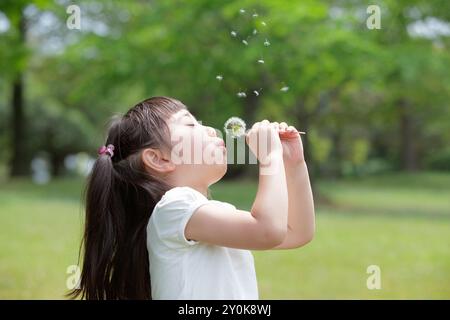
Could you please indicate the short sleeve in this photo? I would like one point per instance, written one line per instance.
(172, 213)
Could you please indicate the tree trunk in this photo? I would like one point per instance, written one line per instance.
(408, 150)
(57, 164)
(19, 161)
(251, 104)
(337, 153)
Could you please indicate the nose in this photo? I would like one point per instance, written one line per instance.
(211, 131)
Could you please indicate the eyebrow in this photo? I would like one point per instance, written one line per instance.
(186, 114)
(181, 115)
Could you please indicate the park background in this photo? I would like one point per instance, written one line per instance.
(374, 104)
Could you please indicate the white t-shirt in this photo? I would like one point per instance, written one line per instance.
(188, 269)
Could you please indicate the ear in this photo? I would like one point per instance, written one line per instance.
(156, 160)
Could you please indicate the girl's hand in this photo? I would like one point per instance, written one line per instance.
(264, 141)
(292, 144)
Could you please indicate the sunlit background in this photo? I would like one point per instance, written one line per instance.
(374, 101)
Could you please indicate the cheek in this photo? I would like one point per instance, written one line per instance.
(185, 140)
(182, 135)
(198, 140)
(215, 155)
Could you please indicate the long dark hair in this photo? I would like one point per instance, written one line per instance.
(120, 197)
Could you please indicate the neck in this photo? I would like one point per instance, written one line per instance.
(202, 189)
(186, 179)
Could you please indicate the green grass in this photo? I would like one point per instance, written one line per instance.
(40, 228)
(399, 222)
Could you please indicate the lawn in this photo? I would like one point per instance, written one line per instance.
(400, 223)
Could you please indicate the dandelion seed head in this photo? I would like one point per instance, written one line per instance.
(266, 43)
(284, 89)
(219, 77)
(245, 42)
(241, 94)
(233, 33)
(261, 61)
(235, 127)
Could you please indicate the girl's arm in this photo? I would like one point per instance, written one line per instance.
(301, 220)
(266, 225)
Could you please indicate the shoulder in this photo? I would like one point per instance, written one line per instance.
(171, 214)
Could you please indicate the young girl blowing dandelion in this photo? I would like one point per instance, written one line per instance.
(150, 229)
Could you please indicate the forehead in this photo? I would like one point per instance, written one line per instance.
(177, 116)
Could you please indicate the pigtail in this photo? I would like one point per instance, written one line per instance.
(120, 196)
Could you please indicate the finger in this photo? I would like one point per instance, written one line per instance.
(291, 128)
(265, 122)
(275, 125)
(250, 132)
(255, 125)
(211, 131)
(283, 126)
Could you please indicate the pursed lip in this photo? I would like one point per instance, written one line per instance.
(219, 142)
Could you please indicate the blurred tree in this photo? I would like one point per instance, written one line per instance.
(15, 43)
(360, 93)
(415, 84)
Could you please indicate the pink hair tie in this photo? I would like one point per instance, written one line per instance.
(108, 149)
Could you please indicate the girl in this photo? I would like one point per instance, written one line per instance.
(151, 231)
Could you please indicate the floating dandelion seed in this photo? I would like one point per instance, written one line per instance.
(255, 15)
(284, 89)
(245, 42)
(266, 43)
(241, 94)
(233, 33)
(242, 11)
(219, 77)
(235, 127)
(261, 61)
(263, 23)
(256, 93)
(255, 31)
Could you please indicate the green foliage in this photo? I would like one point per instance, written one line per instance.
(439, 160)
(322, 147)
(345, 81)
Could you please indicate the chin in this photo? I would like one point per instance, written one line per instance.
(219, 172)
(224, 168)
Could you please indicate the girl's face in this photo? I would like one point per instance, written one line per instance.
(197, 152)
